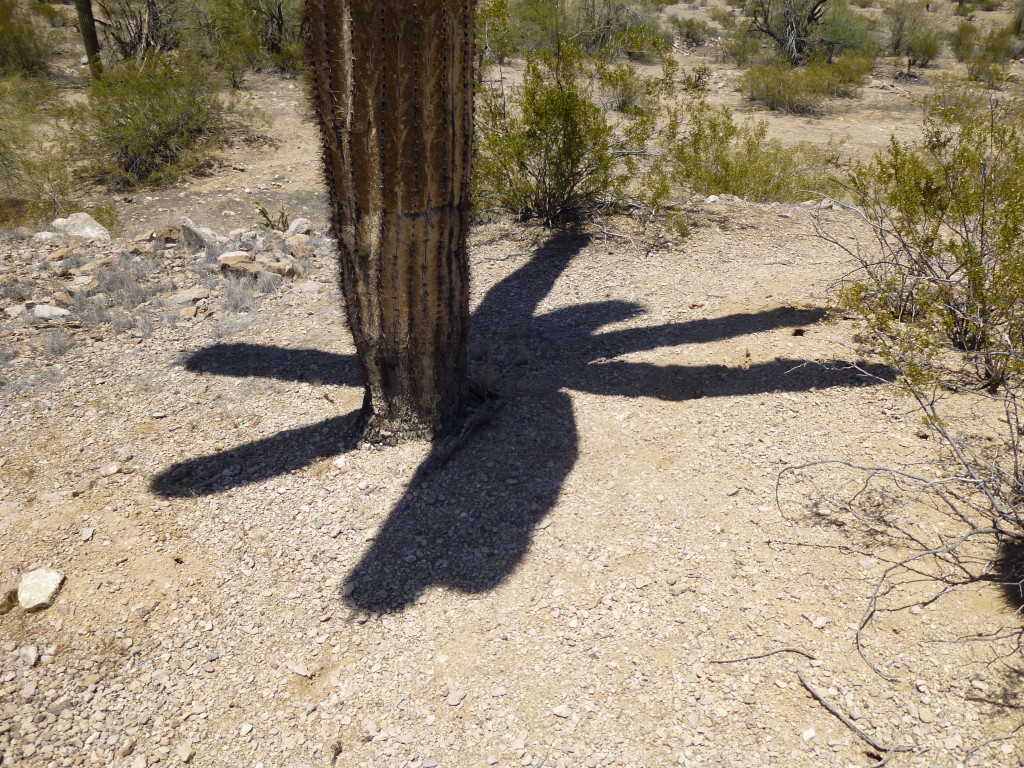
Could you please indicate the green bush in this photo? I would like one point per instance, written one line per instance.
(708, 152)
(741, 46)
(948, 218)
(924, 46)
(149, 122)
(782, 88)
(802, 90)
(842, 30)
(35, 167)
(23, 47)
(693, 33)
(132, 29)
(910, 32)
(544, 151)
(964, 40)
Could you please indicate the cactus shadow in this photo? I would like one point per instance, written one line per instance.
(468, 524)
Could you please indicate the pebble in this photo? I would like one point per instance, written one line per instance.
(86, 534)
(108, 470)
(561, 711)
(245, 729)
(38, 589)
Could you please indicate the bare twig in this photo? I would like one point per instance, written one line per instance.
(832, 708)
(763, 655)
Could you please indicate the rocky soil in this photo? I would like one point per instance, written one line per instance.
(246, 585)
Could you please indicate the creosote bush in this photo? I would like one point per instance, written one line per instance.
(708, 152)
(148, 122)
(802, 90)
(948, 219)
(24, 48)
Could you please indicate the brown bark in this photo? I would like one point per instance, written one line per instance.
(394, 92)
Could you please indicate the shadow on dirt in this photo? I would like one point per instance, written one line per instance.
(469, 524)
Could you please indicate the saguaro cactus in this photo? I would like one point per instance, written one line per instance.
(394, 91)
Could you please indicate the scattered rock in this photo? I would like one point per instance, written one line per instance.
(81, 225)
(455, 695)
(39, 588)
(184, 752)
(240, 263)
(109, 470)
(299, 227)
(245, 729)
(46, 312)
(561, 711)
(194, 237)
(28, 655)
(86, 534)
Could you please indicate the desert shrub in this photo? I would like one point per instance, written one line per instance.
(132, 29)
(802, 90)
(697, 81)
(693, 32)
(239, 294)
(781, 88)
(1017, 22)
(628, 91)
(948, 218)
(842, 31)
(257, 33)
(911, 33)
(57, 343)
(963, 40)
(24, 48)
(792, 25)
(35, 166)
(495, 42)
(545, 149)
(725, 19)
(126, 283)
(741, 46)
(924, 46)
(708, 152)
(150, 121)
(987, 63)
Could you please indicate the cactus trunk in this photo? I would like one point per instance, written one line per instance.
(394, 92)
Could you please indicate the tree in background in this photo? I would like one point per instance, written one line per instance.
(394, 95)
(790, 24)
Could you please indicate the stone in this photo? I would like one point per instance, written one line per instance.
(82, 225)
(28, 655)
(561, 711)
(39, 588)
(15, 310)
(455, 695)
(184, 752)
(310, 286)
(94, 266)
(297, 240)
(297, 668)
(168, 234)
(187, 296)
(46, 312)
(711, 199)
(194, 237)
(302, 252)
(245, 729)
(46, 236)
(279, 266)
(109, 470)
(808, 735)
(299, 227)
(239, 263)
(87, 534)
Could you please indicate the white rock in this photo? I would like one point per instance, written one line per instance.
(809, 734)
(46, 236)
(561, 711)
(299, 227)
(46, 312)
(711, 199)
(195, 237)
(27, 655)
(38, 589)
(108, 470)
(86, 534)
(245, 730)
(81, 225)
